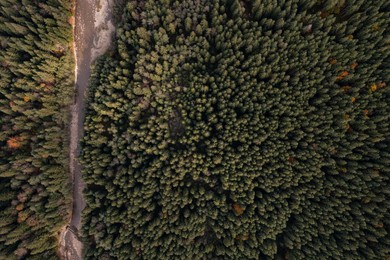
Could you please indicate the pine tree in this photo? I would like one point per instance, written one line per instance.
(254, 129)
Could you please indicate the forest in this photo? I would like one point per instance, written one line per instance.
(36, 86)
(237, 129)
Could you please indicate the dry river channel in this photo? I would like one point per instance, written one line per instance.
(93, 30)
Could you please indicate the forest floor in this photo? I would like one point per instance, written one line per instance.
(93, 32)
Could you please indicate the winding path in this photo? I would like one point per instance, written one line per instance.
(92, 37)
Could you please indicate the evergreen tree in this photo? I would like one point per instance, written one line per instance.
(36, 67)
(252, 130)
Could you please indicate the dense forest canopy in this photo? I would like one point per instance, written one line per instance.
(36, 82)
(233, 129)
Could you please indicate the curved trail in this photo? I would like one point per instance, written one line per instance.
(92, 36)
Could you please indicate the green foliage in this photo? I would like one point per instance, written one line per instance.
(241, 130)
(36, 82)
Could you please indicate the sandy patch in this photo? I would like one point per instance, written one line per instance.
(104, 27)
(70, 247)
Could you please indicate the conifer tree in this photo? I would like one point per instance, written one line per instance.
(253, 130)
(36, 66)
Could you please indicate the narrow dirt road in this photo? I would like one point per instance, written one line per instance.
(92, 34)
